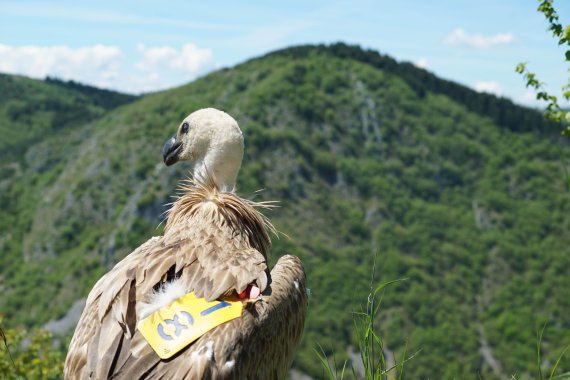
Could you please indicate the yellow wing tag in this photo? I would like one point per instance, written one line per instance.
(173, 327)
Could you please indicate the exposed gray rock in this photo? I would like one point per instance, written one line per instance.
(295, 374)
(67, 323)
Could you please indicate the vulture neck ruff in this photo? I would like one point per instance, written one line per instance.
(202, 201)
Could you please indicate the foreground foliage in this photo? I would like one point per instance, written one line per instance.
(375, 365)
(562, 34)
(29, 356)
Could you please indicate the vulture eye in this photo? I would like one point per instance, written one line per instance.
(185, 127)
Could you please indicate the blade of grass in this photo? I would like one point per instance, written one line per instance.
(385, 284)
(3, 336)
(354, 374)
(342, 373)
(401, 364)
(538, 345)
(370, 343)
(557, 363)
(325, 362)
(401, 374)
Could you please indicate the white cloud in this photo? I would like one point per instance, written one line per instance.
(422, 63)
(190, 59)
(460, 37)
(166, 66)
(154, 68)
(490, 87)
(97, 64)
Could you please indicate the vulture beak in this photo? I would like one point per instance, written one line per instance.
(171, 150)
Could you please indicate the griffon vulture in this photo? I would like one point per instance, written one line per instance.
(215, 245)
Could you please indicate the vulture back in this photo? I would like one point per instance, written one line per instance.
(215, 244)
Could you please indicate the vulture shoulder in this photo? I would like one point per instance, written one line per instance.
(215, 244)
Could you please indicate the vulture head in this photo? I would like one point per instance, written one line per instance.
(212, 141)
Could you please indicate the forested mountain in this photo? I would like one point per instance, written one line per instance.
(31, 110)
(463, 194)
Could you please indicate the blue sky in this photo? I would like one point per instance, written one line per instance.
(144, 45)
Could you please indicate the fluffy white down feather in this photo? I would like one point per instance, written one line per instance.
(161, 297)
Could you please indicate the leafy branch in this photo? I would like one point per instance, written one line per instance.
(553, 111)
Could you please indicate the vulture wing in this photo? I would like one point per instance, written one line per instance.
(215, 244)
(259, 345)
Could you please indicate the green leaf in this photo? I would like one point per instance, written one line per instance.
(567, 54)
(567, 32)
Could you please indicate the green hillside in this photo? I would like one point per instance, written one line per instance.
(31, 110)
(462, 193)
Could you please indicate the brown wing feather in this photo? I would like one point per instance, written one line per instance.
(83, 346)
(230, 272)
(259, 345)
(217, 245)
